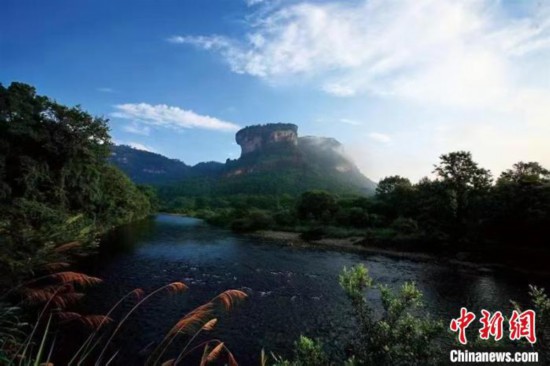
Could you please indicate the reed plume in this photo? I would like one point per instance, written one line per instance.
(230, 298)
(55, 266)
(212, 356)
(85, 349)
(95, 321)
(66, 247)
(75, 277)
(215, 353)
(193, 320)
(196, 321)
(174, 287)
(32, 295)
(63, 300)
(210, 325)
(67, 316)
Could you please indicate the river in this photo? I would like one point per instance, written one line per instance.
(292, 291)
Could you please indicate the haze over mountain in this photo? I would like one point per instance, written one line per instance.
(273, 160)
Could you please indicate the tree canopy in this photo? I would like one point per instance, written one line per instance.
(53, 168)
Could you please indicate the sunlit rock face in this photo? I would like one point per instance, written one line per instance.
(255, 138)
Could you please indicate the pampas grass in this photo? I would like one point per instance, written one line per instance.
(56, 292)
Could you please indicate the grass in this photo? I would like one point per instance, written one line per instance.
(57, 291)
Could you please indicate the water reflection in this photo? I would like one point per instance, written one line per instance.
(292, 291)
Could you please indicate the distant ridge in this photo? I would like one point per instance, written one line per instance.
(274, 160)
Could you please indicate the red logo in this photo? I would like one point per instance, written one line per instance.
(492, 325)
(521, 325)
(460, 324)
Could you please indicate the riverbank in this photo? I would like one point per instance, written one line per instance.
(358, 244)
(520, 262)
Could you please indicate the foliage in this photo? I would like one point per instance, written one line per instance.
(254, 220)
(55, 183)
(459, 210)
(398, 337)
(12, 330)
(541, 305)
(307, 352)
(394, 195)
(317, 205)
(465, 183)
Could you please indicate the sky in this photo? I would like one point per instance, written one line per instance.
(397, 82)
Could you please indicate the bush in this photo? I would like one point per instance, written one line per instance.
(405, 225)
(285, 218)
(255, 220)
(400, 337)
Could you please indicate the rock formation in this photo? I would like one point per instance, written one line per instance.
(258, 137)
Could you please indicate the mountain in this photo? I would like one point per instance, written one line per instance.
(274, 160)
(145, 167)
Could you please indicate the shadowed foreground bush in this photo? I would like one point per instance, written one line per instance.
(401, 335)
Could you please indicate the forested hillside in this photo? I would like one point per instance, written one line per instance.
(275, 163)
(55, 183)
(145, 167)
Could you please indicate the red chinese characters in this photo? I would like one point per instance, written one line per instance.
(460, 324)
(522, 325)
(492, 325)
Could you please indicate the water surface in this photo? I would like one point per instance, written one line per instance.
(292, 290)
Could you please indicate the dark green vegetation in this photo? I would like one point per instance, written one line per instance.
(270, 169)
(145, 167)
(402, 334)
(307, 185)
(58, 192)
(460, 210)
(56, 186)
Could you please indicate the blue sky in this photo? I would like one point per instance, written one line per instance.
(398, 82)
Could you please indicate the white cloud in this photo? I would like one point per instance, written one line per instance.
(459, 53)
(350, 121)
(135, 145)
(379, 137)
(139, 146)
(137, 129)
(163, 115)
(473, 73)
(105, 90)
(339, 90)
(254, 2)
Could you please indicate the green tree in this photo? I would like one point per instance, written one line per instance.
(525, 173)
(395, 195)
(466, 185)
(53, 168)
(317, 205)
(520, 206)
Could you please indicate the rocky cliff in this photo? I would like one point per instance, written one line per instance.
(260, 137)
(273, 161)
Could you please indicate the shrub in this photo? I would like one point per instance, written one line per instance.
(255, 220)
(399, 337)
(405, 225)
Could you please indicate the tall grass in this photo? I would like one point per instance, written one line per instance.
(57, 291)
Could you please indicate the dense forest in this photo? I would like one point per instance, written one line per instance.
(56, 186)
(59, 192)
(462, 209)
